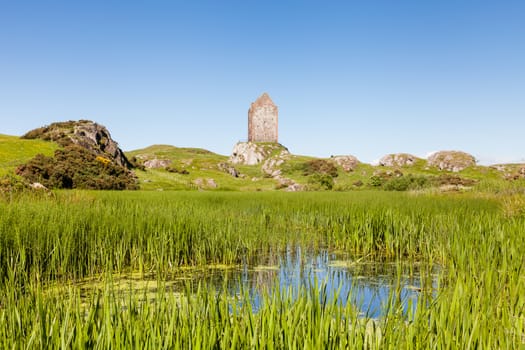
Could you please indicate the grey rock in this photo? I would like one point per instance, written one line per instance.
(227, 168)
(398, 159)
(252, 153)
(157, 163)
(451, 160)
(348, 162)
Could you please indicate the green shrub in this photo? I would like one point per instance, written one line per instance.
(76, 167)
(10, 184)
(404, 183)
(319, 166)
(376, 181)
(320, 182)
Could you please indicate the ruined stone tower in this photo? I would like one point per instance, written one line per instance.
(262, 120)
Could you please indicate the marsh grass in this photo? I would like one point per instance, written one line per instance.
(478, 302)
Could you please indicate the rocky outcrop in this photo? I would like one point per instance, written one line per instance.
(348, 162)
(157, 163)
(252, 153)
(88, 159)
(84, 133)
(511, 171)
(451, 160)
(398, 159)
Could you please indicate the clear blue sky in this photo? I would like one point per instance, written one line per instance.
(350, 77)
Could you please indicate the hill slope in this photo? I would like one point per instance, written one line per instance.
(15, 151)
(175, 168)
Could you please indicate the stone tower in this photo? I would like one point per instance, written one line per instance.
(262, 120)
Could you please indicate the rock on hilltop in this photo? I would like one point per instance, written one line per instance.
(84, 133)
(398, 159)
(348, 162)
(451, 160)
(252, 153)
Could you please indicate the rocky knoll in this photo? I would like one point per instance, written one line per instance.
(84, 133)
(89, 159)
(252, 153)
(398, 159)
(348, 162)
(451, 160)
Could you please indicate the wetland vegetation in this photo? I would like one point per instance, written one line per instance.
(133, 269)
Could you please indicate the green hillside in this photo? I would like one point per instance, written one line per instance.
(15, 151)
(200, 165)
(199, 169)
(191, 168)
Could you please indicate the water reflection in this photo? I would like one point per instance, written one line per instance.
(365, 282)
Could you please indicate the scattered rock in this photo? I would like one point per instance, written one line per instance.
(157, 163)
(289, 185)
(205, 183)
(227, 168)
(38, 186)
(251, 153)
(511, 171)
(499, 167)
(451, 160)
(270, 166)
(348, 162)
(398, 159)
(295, 188)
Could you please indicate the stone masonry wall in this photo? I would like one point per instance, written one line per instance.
(263, 120)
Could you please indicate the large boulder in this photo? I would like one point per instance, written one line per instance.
(348, 162)
(157, 163)
(252, 153)
(398, 159)
(451, 160)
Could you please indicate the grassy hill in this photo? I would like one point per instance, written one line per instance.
(202, 165)
(15, 151)
(195, 168)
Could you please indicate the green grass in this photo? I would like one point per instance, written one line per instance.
(44, 241)
(15, 151)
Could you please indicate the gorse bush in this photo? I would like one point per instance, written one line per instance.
(319, 166)
(76, 167)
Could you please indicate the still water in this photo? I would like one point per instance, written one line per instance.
(366, 283)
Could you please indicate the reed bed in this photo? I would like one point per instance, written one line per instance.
(479, 301)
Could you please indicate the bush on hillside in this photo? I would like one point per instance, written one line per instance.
(76, 167)
(405, 183)
(319, 166)
(318, 182)
(10, 184)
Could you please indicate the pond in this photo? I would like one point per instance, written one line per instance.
(366, 283)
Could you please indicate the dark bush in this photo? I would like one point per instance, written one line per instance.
(135, 164)
(10, 184)
(177, 171)
(447, 179)
(76, 167)
(319, 166)
(321, 182)
(404, 183)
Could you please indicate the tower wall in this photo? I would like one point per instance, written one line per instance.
(263, 120)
